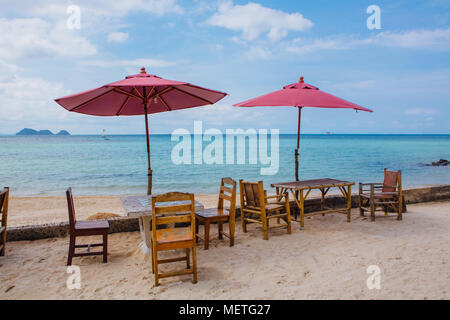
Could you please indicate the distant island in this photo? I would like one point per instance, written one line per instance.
(32, 132)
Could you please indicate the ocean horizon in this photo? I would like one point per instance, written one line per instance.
(91, 165)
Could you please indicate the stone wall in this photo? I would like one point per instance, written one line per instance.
(125, 224)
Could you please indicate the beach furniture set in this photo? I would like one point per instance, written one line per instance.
(144, 94)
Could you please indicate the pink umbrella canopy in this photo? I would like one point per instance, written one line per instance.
(129, 96)
(300, 95)
(140, 94)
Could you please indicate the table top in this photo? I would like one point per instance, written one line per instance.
(136, 206)
(312, 184)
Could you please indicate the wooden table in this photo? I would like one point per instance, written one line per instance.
(141, 207)
(304, 187)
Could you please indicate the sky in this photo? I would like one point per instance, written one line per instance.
(400, 70)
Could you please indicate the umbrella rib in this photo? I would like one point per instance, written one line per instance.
(150, 92)
(140, 95)
(193, 95)
(162, 92)
(126, 93)
(167, 106)
(90, 100)
(123, 105)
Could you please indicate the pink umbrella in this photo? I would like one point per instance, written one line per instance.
(140, 94)
(300, 95)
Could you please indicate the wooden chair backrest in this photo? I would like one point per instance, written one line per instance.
(71, 209)
(160, 209)
(392, 180)
(228, 193)
(4, 199)
(252, 194)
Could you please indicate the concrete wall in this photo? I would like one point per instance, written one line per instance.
(125, 224)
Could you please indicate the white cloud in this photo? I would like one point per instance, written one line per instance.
(135, 63)
(24, 38)
(253, 20)
(117, 37)
(421, 112)
(434, 39)
(438, 39)
(56, 9)
(258, 53)
(40, 28)
(25, 99)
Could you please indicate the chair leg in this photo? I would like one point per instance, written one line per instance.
(372, 210)
(71, 250)
(399, 209)
(265, 226)
(220, 229)
(244, 225)
(105, 247)
(153, 262)
(231, 225)
(194, 264)
(155, 265)
(288, 221)
(188, 263)
(197, 222)
(207, 223)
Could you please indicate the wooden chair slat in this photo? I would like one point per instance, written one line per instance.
(173, 219)
(225, 197)
(173, 208)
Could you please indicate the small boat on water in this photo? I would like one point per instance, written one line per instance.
(104, 136)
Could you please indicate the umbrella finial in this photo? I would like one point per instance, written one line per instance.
(143, 70)
(301, 79)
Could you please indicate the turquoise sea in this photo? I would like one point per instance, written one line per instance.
(91, 165)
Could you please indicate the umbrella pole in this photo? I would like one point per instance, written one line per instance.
(298, 143)
(149, 173)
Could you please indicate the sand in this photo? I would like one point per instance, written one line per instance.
(327, 260)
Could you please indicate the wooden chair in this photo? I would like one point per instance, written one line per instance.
(85, 228)
(382, 196)
(4, 198)
(164, 239)
(256, 208)
(219, 214)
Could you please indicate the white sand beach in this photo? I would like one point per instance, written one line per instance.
(327, 260)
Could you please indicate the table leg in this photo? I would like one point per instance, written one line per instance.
(144, 227)
(322, 200)
(302, 210)
(349, 203)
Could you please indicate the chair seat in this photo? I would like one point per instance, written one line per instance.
(173, 235)
(379, 195)
(213, 212)
(274, 206)
(95, 224)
